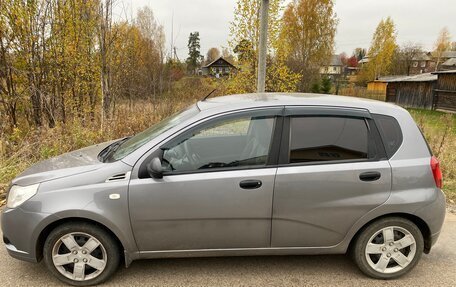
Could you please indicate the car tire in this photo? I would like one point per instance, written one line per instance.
(81, 254)
(390, 258)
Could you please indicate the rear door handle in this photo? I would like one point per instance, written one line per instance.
(370, 176)
(250, 184)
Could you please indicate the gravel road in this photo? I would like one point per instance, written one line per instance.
(435, 269)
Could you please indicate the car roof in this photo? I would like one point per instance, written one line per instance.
(241, 101)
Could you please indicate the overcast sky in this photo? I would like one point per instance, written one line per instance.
(416, 20)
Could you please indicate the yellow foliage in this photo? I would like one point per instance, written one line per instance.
(381, 52)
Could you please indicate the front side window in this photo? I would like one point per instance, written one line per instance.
(144, 137)
(231, 143)
(320, 139)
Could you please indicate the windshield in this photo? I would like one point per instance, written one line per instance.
(137, 141)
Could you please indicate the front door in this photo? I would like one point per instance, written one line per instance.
(333, 171)
(217, 189)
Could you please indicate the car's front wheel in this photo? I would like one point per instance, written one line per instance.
(81, 254)
(388, 248)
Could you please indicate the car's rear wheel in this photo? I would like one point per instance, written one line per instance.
(81, 254)
(388, 248)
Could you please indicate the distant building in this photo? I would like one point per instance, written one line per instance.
(363, 61)
(422, 63)
(334, 68)
(445, 91)
(447, 55)
(415, 91)
(218, 68)
(449, 64)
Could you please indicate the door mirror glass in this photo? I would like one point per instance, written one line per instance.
(154, 168)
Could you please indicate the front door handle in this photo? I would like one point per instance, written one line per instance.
(370, 176)
(250, 184)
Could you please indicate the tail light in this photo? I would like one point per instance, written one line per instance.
(436, 172)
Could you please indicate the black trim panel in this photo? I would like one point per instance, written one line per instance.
(326, 111)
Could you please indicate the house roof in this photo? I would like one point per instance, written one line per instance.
(219, 62)
(363, 60)
(445, 72)
(450, 62)
(425, 77)
(422, 57)
(446, 54)
(335, 61)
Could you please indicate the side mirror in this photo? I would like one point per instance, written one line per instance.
(155, 169)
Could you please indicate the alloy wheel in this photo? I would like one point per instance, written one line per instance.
(390, 249)
(79, 256)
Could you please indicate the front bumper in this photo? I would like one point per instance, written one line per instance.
(21, 230)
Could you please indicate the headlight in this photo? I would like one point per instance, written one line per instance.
(19, 194)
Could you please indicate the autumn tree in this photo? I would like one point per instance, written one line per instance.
(442, 44)
(453, 46)
(227, 55)
(360, 53)
(405, 56)
(212, 55)
(244, 40)
(343, 58)
(352, 61)
(381, 51)
(153, 40)
(194, 55)
(307, 34)
(65, 60)
(244, 29)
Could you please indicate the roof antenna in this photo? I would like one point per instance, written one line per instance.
(206, 97)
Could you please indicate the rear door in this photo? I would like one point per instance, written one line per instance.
(332, 170)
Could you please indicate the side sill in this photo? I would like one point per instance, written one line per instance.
(242, 252)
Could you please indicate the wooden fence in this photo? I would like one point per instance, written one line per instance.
(362, 92)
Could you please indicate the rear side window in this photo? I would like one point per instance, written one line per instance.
(317, 139)
(390, 131)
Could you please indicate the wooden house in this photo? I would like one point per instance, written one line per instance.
(218, 68)
(415, 91)
(422, 63)
(333, 69)
(445, 91)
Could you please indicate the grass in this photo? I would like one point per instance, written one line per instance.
(24, 147)
(439, 130)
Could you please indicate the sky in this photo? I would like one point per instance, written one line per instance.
(417, 21)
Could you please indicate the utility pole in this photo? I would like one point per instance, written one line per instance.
(264, 11)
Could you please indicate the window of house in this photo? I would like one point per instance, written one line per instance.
(415, 64)
(319, 139)
(423, 64)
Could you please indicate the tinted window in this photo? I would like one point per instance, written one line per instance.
(390, 131)
(314, 139)
(226, 144)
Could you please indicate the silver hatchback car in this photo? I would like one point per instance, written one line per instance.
(257, 174)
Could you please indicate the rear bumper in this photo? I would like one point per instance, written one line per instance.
(433, 215)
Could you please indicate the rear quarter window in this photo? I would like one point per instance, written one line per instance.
(390, 131)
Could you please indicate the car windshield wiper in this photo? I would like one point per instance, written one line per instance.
(110, 149)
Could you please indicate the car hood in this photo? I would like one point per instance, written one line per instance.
(75, 162)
